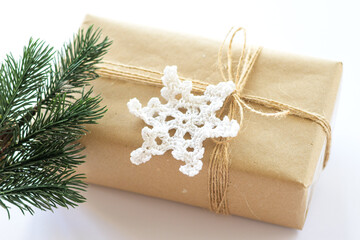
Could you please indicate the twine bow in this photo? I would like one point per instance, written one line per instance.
(219, 160)
(218, 172)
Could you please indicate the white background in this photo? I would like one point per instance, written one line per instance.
(327, 29)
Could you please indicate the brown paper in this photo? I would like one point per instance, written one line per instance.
(273, 161)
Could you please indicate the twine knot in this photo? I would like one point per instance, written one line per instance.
(218, 180)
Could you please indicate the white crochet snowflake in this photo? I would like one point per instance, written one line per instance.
(183, 123)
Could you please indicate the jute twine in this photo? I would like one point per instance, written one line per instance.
(218, 171)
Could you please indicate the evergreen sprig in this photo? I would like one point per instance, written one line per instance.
(43, 109)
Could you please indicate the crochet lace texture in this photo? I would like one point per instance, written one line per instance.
(183, 123)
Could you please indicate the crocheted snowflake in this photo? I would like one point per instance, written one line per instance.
(183, 123)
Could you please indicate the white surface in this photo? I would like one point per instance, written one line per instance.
(325, 29)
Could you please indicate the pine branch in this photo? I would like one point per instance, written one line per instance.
(41, 188)
(75, 65)
(44, 109)
(21, 79)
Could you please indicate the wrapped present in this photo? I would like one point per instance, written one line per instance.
(265, 171)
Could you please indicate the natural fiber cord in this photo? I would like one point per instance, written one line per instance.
(218, 179)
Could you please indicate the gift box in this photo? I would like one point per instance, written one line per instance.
(274, 161)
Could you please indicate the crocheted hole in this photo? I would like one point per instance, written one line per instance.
(208, 102)
(184, 121)
(156, 114)
(197, 110)
(199, 125)
(169, 118)
(172, 132)
(182, 109)
(178, 96)
(187, 136)
(190, 149)
(158, 141)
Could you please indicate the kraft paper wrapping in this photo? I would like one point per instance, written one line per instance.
(273, 161)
